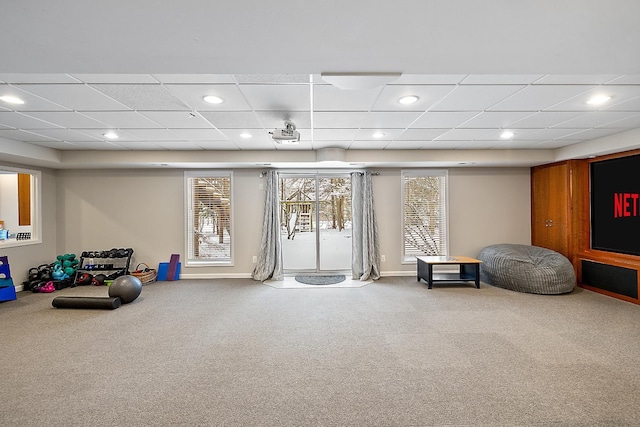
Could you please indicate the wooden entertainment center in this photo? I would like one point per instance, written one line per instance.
(561, 220)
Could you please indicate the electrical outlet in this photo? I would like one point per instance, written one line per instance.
(255, 259)
(383, 258)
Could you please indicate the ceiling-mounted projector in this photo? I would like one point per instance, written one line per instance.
(287, 135)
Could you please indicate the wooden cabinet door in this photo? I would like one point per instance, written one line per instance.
(550, 207)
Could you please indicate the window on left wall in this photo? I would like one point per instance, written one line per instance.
(20, 214)
(209, 217)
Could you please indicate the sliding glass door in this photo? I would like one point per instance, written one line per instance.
(315, 219)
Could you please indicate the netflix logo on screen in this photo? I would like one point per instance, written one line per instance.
(615, 205)
(625, 204)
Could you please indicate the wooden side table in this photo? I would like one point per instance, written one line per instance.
(469, 269)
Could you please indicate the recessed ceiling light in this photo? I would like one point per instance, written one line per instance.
(212, 99)
(110, 135)
(598, 99)
(410, 99)
(507, 134)
(245, 135)
(378, 135)
(10, 99)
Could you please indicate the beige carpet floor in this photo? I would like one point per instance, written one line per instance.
(392, 353)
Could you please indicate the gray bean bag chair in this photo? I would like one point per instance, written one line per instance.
(525, 268)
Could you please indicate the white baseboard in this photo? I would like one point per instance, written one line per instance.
(216, 276)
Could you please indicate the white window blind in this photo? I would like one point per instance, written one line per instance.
(209, 217)
(424, 213)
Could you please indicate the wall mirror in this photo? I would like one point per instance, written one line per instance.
(20, 217)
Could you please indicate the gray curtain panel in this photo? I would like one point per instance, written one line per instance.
(365, 256)
(269, 264)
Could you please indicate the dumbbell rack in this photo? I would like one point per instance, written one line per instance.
(105, 262)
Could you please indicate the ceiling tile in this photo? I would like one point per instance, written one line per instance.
(123, 135)
(540, 97)
(64, 134)
(556, 143)
(504, 79)
(630, 123)
(428, 96)
(387, 134)
(330, 98)
(93, 145)
(475, 97)
(272, 78)
(421, 134)
(67, 119)
(218, 145)
(36, 78)
(630, 105)
(23, 121)
(334, 134)
(232, 119)
(115, 78)
(391, 119)
(596, 133)
(582, 79)
(77, 97)
(193, 96)
(257, 135)
(493, 119)
(24, 136)
(630, 79)
(545, 119)
(543, 134)
(596, 119)
(58, 145)
(463, 134)
(519, 134)
(442, 120)
(139, 145)
(153, 134)
(31, 101)
(194, 78)
(177, 119)
(179, 145)
(619, 94)
(275, 119)
(140, 97)
(199, 134)
(277, 97)
(338, 119)
(122, 119)
(429, 79)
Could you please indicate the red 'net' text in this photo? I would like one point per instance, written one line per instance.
(625, 204)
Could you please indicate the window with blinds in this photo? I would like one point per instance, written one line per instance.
(424, 213)
(209, 216)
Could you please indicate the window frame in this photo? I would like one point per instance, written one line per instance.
(411, 259)
(36, 208)
(188, 209)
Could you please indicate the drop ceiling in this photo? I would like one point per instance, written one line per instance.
(146, 82)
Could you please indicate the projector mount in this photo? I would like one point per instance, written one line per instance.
(288, 134)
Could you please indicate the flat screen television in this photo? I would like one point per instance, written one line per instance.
(615, 205)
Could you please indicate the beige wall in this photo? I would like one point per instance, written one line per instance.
(144, 209)
(486, 206)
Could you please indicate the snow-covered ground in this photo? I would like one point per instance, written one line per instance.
(335, 250)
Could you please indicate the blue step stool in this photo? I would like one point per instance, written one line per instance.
(7, 289)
